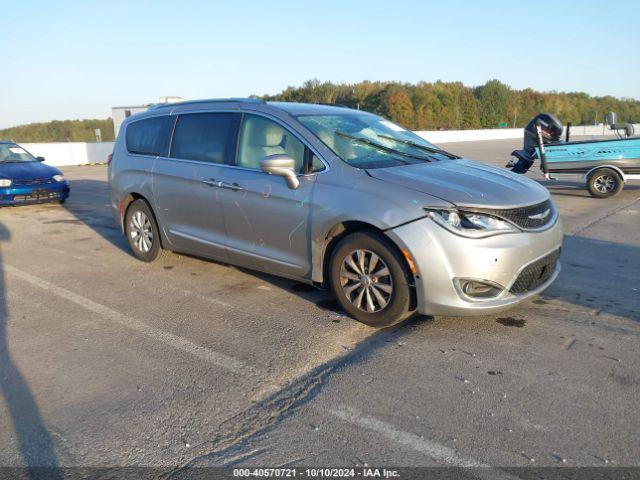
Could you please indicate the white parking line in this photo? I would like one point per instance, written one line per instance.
(216, 358)
(438, 452)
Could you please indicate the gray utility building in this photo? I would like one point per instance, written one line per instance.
(120, 113)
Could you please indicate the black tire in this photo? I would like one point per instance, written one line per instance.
(604, 183)
(142, 250)
(398, 306)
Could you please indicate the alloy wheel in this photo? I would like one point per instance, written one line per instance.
(141, 232)
(366, 281)
(604, 183)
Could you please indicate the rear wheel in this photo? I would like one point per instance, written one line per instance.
(370, 280)
(142, 231)
(604, 182)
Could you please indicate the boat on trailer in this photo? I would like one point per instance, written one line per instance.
(604, 165)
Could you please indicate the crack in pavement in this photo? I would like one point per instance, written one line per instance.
(603, 217)
(238, 430)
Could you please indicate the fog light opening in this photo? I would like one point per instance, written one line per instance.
(478, 289)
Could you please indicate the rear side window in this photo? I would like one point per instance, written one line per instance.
(206, 137)
(149, 136)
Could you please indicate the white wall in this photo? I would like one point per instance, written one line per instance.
(77, 153)
(70, 153)
(447, 136)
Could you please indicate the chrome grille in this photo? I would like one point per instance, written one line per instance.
(531, 217)
(535, 274)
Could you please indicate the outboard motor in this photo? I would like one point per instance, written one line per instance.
(551, 130)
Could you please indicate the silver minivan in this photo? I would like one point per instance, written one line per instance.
(333, 197)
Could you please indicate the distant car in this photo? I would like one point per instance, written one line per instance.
(337, 197)
(25, 179)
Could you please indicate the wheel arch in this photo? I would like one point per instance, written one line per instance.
(126, 202)
(612, 167)
(344, 228)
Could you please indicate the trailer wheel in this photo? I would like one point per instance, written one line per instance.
(604, 183)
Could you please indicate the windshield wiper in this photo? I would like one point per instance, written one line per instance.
(421, 147)
(381, 147)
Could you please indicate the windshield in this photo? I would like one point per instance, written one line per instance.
(368, 141)
(11, 153)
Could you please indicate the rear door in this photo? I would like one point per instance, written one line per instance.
(186, 183)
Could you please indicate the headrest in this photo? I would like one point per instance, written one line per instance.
(273, 135)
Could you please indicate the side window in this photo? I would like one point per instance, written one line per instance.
(207, 137)
(149, 136)
(261, 137)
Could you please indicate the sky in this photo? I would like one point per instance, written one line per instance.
(77, 59)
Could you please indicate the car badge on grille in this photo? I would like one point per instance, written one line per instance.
(540, 216)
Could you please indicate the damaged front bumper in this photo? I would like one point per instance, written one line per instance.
(522, 264)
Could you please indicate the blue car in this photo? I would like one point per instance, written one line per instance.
(25, 179)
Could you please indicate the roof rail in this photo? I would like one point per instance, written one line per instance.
(341, 105)
(156, 106)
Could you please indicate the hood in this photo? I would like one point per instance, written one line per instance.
(27, 170)
(466, 183)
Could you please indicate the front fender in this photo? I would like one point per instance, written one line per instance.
(366, 201)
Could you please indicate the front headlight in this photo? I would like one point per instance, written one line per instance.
(5, 182)
(471, 224)
(58, 178)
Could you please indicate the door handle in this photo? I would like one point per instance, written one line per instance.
(212, 182)
(235, 186)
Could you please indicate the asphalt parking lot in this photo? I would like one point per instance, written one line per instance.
(105, 360)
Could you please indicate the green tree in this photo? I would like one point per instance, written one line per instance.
(60, 131)
(399, 105)
(452, 105)
(495, 99)
(421, 106)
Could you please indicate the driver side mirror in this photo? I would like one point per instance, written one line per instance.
(40, 159)
(283, 166)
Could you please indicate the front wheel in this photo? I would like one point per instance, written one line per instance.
(142, 231)
(604, 183)
(370, 280)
